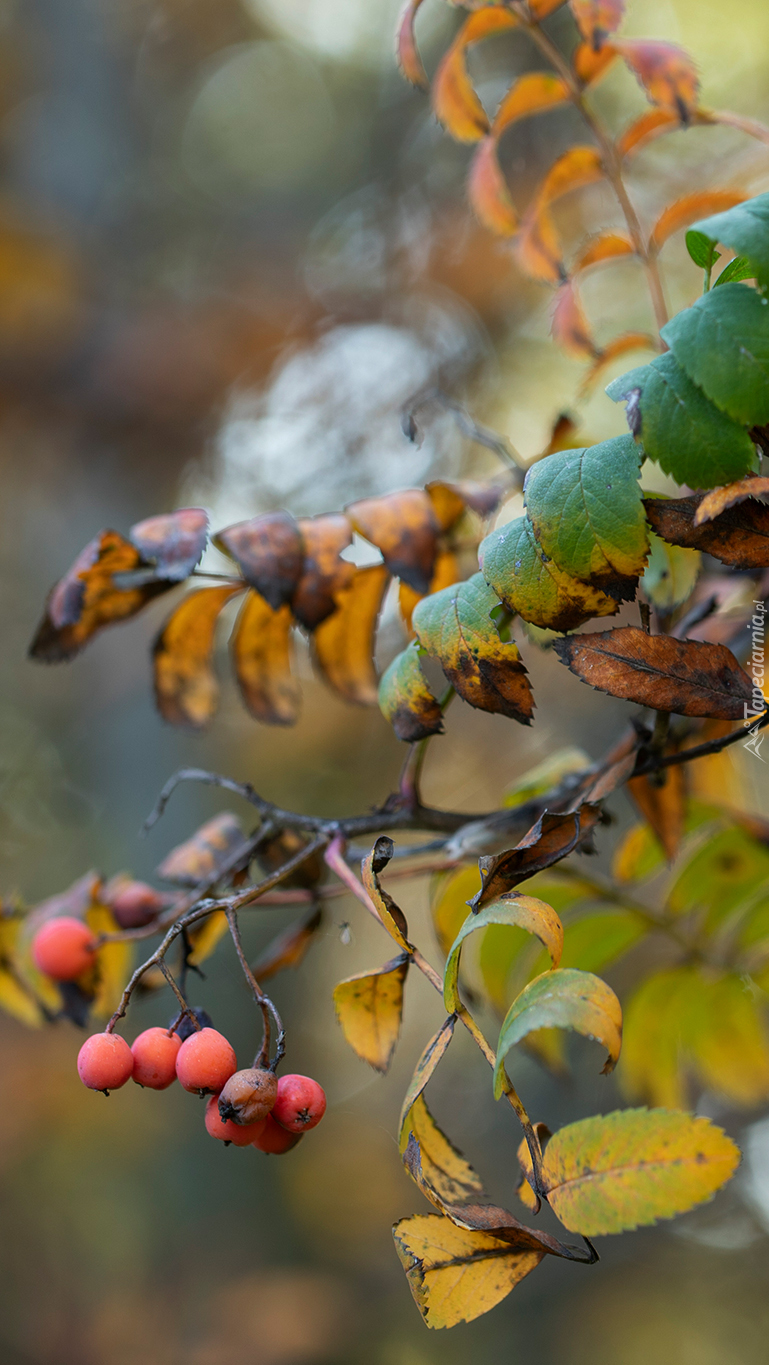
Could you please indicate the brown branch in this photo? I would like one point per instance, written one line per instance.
(262, 1058)
(713, 746)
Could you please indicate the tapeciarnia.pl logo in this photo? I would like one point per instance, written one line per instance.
(757, 705)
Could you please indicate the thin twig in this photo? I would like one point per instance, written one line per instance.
(713, 746)
(262, 1058)
(482, 436)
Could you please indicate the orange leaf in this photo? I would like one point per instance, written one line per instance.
(719, 499)
(324, 573)
(538, 248)
(404, 527)
(569, 326)
(562, 435)
(450, 498)
(596, 18)
(207, 852)
(488, 193)
(344, 643)
(666, 72)
(629, 341)
(688, 210)
(590, 64)
(406, 49)
(530, 94)
(455, 102)
(541, 8)
(261, 653)
(269, 552)
(607, 247)
(445, 573)
(664, 808)
(186, 690)
(650, 125)
(578, 167)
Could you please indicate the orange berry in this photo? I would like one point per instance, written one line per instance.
(248, 1096)
(205, 1061)
(63, 948)
(275, 1140)
(136, 904)
(105, 1061)
(154, 1058)
(242, 1135)
(300, 1103)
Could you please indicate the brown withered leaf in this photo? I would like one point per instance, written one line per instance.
(554, 836)
(261, 655)
(288, 948)
(562, 435)
(450, 498)
(390, 914)
(343, 644)
(663, 807)
(276, 851)
(524, 1189)
(172, 542)
(87, 598)
(406, 48)
(719, 500)
(455, 102)
(186, 690)
(589, 64)
(405, 528)
(612, 773)
(570, 326)
(406, 700)
(488, 191)
(666, 72)
(684, 676)
(269, 552)
(688, 209)
(209, 849)
(738, 537)
(324, 573)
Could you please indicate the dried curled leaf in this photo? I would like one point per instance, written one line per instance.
(456, 627)
(666, 72)
(324, 574)
(425, 1067)
(405, 698)
(524, 1189)
(565, 999)
(719, 500)
(443, 1168)
(404, 527)
(261, 654)
(406, 48)
(533, 586)
(390, 914)
(522, 912)
(289, 947)
(552, 838)
(369, 1008)
(269, 552)
(455, 102)
(343, 644)
(625, 1170)
(186, 690)
(684, 211)
(173, 542)
(199, 858)
(684, 676)
(738, 537)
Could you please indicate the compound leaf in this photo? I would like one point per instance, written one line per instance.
(343, 644)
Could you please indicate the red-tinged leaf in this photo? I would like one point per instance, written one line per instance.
(648, 127)
(570, 326)
(343, 644)
(590, 64)
(666, 72)
(269, 553)
(324, 573)
(553, 837)
(531, 94)
(206, 853)
(608, 247)
(288, 948)
(596, 18)
(404, 527)
(406, 48)
(663, 807)
(719, 500)
(173, 543)
(488, 193)
(688, 210)
(186, 690)
(455, 102)
(87, 598)
(684, 676)
(738, 537)
(629, 341)
(262, 655)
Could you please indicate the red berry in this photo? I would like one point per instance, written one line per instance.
(136, 904)
(105, 1061)
(275, 1140)
(301, 1103)
(205, 1061)
(248, 1096)
(63, 948)
(154, 1053)
(242, 1135)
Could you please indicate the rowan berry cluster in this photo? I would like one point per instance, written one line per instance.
(251, 1107)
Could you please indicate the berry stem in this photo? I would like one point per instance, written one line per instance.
(262, 1058)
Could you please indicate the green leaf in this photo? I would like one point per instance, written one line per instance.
(562, 999)
(586, 510)
(725, 872)
(670, 574)
(745, 228)
(532, 585)
(456, 627)
(625, 1170)
(722, 342)
(679, 428)
(701, 249)
(596, 940)
(522, 912)
(405, 698)
(738, 269)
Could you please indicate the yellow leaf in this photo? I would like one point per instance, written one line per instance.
(425, 1067)
(655, 1024)
(455, 102)
(449, 895)
(186, 690)
(113, 962)
(369, 1007)
(729, 1043)
(202, 856)
(456, 1274)
(523, 912)
(262, 654)
(204, 940)
(444, 1168)
(625, 1170)
(343, 644)
(390, 914)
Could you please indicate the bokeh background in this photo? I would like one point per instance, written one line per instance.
(232, 243)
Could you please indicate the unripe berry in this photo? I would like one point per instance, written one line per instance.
(300, 1103)
(248, 1096)
(136, 904)
(105, 1061)
(205, 1061)
(275, 1140)
(241, 1135)
(63, 948)
(154, 1053)
(185, 1027)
